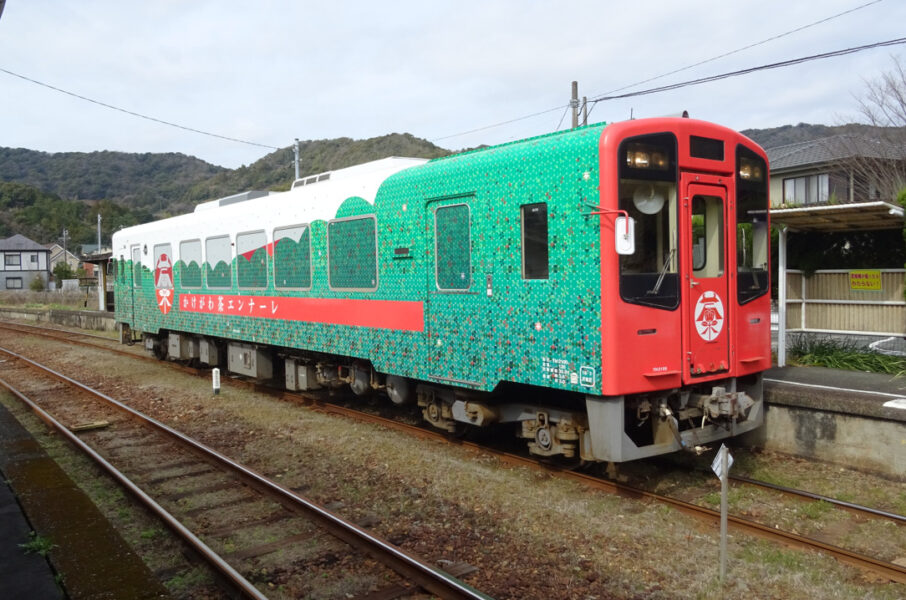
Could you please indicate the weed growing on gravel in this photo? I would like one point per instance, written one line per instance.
(38, 544)
(816, 510)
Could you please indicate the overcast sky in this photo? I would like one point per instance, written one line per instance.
(270, 71)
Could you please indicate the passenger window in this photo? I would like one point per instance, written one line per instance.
(352, 254)
(534, 241)
(218, 262)
(251, 260)
(136, 266)
(189, 265)
(453, 245)
(292, 257)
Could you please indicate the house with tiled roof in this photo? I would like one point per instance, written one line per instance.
(839, 184)
(820, 185)
(22, 261)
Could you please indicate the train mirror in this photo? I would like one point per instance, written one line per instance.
(624, 235)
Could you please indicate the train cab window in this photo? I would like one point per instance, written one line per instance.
(352, 254)
(453, 248)
(534, 241)
(251, 260)
(752, 232)
(121, 272)
(218, 262)
(189, 265)
(136, 266)
(707, 236)
(292, 257)
(647, 192)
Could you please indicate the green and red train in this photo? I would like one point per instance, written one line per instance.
(604, 290)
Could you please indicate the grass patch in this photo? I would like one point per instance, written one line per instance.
(816, 510)
(38, 544)
(838, 354)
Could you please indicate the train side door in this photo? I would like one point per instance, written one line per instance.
(136, 279)
(456, 307)
(705, 298)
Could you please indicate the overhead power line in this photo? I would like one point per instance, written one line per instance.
(135, 114)
(738, 50)
(777, 65)
(764, 41)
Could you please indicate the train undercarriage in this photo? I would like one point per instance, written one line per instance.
(555, 424)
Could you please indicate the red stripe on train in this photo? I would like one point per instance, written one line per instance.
(378, 314)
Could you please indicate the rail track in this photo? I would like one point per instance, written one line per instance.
(190, 486)
(881, 568)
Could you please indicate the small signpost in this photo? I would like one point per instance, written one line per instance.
(721, 467)
(215, 380)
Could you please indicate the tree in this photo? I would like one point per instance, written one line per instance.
(62, 271)
(879, 161)
(37, 284)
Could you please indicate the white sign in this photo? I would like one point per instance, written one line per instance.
(715, 464)
(709, 316)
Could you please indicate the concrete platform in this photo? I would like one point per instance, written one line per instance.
(846, 417)
(88, 556)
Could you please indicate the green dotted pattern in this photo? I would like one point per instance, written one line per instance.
(292, 258)
(353, 254)
(500, 328)
(454, 269)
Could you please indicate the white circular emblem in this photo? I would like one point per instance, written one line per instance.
(709, 316)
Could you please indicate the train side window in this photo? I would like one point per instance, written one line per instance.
(218, 262)
(453, 248)
(534, 241)
(136, 266)
(189, 265)
(352, 254)
(292, 257)
(251, 260)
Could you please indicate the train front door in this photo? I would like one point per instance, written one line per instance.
(705, 299)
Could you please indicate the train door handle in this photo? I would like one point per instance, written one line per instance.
(693, 283)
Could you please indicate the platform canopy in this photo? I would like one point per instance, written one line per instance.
(857, 216)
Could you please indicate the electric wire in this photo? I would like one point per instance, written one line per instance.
(135, 114)
(591, 108)
(738, 50)
(777, 65)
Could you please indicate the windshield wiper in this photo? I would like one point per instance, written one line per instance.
(660, 278)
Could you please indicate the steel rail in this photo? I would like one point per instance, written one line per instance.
(431, 579)
(234, 578)
(891, 571)
(885, 569)
(850, 506)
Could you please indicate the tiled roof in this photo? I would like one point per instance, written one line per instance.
(19, 242)
(831, 149)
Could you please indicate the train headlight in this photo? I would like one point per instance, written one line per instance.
(750, 170)
(642, 156)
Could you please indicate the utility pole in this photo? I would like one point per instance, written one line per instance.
(99, 233)
(584, 110)
(296, 152)
(574, 104)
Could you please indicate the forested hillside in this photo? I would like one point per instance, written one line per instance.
(43, 193)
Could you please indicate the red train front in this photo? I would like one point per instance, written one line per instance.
(686, 292)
